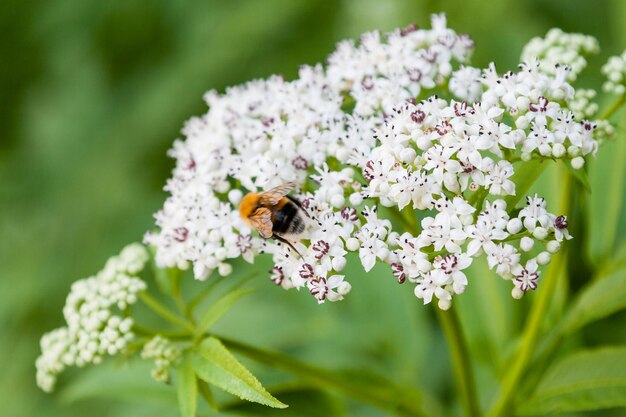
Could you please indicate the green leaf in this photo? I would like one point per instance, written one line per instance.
(219, 308)
(217, 366)
(186, 388)
(604, 296)
(524, 177)
(583, 381)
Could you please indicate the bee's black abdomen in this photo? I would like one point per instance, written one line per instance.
(287, 220)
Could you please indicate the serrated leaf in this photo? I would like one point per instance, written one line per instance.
(219, 308)
(602, 297)
(216, 365)
(589, 380)
(186, 388)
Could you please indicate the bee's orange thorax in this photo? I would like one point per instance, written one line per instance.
(248, 204)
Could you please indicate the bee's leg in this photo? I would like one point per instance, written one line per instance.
(283, 240)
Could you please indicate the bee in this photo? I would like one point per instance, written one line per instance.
(275, 214)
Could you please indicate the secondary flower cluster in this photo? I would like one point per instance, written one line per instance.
(559, 48)
(368, 142)
(96, 325)
(615, 71)
(164, 353)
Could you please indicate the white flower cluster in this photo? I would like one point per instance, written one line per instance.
(268, 132)
(96, 325)
(560, 48)
(366, 140)
(615, 71)
(164, 353)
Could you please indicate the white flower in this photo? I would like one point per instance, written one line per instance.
(497, 179)
(482, 235)
(448, 270)
(534, 212)
(526, 277)
(504, 257)
(442, 233)
(560, 228)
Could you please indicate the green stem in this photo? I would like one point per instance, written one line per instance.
(526, 352)
(386, 395)
(164, 312)
(461, 362)
(614, 107)
(518, 367)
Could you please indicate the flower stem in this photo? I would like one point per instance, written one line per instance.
(461, 363)
(614, 107)
(529, 341)
(530, 337)
(164, 312)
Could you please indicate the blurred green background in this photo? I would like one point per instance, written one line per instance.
(94, 92)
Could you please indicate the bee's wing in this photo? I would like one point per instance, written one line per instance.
(261, 220)
(273, 196)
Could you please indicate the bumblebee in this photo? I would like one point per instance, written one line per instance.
(275, 214)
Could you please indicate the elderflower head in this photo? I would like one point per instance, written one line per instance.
(96, 325)
(615, 71)
(366, 139)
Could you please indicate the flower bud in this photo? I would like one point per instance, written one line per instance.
(356, 199)
(234, 196)
(339, 263)
(553, 246)
(344, 288)
(444, 304)
(408, 155)
(578, 162)
(526, 244)
(573, 151)
(517, 293)
(526, 156)
(337, 201)
(540, 233)
(352, 244)
(514, 226)
(558, 150)
(543, 258)
(224, 269)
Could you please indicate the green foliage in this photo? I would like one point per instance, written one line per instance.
(602, 297)
(214, 364)
(583, 381)
(186, 387)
